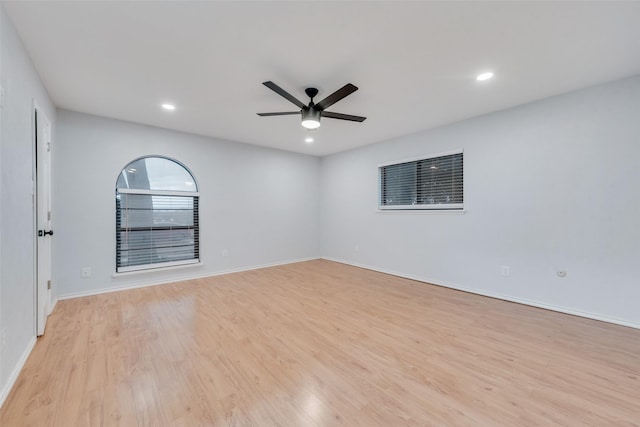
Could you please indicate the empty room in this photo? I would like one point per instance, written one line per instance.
(319, 213)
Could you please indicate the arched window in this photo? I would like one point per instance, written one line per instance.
(156, 215)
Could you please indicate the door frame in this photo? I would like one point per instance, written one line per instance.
(42, 294)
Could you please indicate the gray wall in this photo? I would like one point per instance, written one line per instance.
(21, 86)
(549, 185)
(259, 204)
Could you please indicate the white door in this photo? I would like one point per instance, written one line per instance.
(42, 128)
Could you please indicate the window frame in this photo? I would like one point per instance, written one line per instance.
(194, 195)
(417, 208)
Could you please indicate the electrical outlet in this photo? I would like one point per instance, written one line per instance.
(225, 252)
(85, 272)
(357, 248)
(505, 270)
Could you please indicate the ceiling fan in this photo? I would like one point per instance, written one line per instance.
(312, 113)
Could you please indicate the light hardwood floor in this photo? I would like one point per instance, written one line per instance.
(322, 344)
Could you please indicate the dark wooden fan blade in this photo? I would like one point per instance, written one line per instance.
(283, 93)
(343, 116)
(282, 113)
(336, 96)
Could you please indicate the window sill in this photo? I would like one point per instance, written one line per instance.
(157, 270)
(421, 211)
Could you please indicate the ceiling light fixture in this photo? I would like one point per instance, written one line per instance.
(484, 76)
(312, 112)
(169, 107)
(308, 140)
(311, 118)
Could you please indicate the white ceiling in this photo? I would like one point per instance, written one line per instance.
(414, 62)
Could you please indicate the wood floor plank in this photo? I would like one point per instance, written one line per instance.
(322, 344)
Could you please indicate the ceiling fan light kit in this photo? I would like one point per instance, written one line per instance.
(312, 112)
(311, 119)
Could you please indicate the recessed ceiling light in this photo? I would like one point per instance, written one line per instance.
(308, 140)
(169, 107)
(484, 76)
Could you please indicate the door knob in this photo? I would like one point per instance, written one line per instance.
(42, 233)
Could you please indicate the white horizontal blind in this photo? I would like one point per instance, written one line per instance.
(428, 183)
(156, 230)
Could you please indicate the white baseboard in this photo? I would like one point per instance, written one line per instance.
(179, 279)
(4, 392)
(509, 298)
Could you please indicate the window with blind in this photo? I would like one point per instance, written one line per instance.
(156, 215)
(433, 182)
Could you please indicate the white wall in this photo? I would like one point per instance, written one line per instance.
(549, 185)
(21, 86)
(260, 204)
